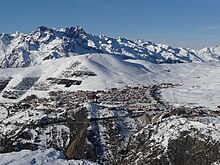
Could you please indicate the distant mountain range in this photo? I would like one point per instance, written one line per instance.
(148, 110)
(23, 50)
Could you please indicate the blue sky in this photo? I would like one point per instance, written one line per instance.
(187, 23)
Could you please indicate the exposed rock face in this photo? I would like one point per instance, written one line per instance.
(146, 119)
(179, 142)
(85, 129)
(193, 150)
(23, 50)
(79, 146)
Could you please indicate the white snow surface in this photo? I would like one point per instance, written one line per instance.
(22, 50)
(199, 85)
(39, 157)
(199, 82)
(122, 62)
(113, 63)
(170, 129)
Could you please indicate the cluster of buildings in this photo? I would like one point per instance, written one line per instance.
(134, 100)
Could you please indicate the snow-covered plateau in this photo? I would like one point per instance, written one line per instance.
(69, 97)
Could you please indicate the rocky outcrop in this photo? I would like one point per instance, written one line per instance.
(174, 141)
(186, 149)
(23, 50)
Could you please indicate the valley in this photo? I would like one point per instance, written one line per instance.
(75, 98)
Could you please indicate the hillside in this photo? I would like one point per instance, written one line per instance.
(69, 97)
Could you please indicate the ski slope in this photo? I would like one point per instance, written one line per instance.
(199, 82)
(200, 86)
(44, 157)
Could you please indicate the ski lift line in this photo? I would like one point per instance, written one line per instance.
(91, 120)
(101, 120)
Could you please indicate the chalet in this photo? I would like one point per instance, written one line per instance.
(42, 100)
(173, 112)
(91, 97)
(113, 89)
(100, 91)
(112, 108)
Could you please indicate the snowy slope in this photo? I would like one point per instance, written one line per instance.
(39, 157)
(199, 85)
(50, 63)
(210, 54)
(199, 82)
(174, 141)
(22, 50)
(110, 71)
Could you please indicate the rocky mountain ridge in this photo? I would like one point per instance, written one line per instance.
(23, 50)
(109, 102)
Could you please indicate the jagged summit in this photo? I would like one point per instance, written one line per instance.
(109, 100)
(68, 31)
(22, 50)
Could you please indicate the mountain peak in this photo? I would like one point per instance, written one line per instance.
(43, 29)
(45, 42)
(79, 29)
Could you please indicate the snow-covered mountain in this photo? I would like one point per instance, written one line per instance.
(22, 50)
(210, 54)
(107, 101)
(47, 106)
(105, 71)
